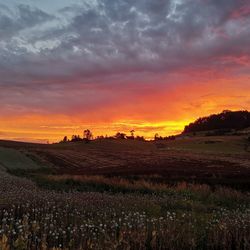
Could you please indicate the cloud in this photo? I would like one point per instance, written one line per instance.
(12, 22)
(79, 54)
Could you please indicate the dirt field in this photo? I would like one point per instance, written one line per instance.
(212, 160)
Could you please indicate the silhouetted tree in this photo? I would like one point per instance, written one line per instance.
(225, 122)
(157, 137)
(120, 135)
(131, 137)
(100, 137)
(140, 138)
(65, 139)
(167, 138)
(87, 135)
(76, 138)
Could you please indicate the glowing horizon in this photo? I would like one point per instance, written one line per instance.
(109, 66)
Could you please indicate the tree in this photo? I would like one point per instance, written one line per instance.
(100, 137)
(140, 138)
(76, 138)
(225, 122)
(131, 137)
(65, 139)
(120, 135)
(156, 136)
(87, 135)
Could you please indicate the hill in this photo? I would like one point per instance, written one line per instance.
(225, 121)
(218, 160)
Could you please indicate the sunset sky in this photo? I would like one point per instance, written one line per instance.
(116, 65)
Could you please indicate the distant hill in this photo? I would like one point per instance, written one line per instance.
(227, 120)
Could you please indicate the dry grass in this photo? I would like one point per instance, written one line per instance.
(141, 184)
(117, 184)
(31, 218)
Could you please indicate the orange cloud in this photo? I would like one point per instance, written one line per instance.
(165, 111)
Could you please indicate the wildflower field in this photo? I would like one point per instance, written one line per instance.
(43, 208)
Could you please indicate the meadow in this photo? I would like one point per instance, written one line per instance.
(192, 193)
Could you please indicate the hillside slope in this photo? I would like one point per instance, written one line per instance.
(227, 120)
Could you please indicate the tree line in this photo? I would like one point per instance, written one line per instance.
(220, 123)
(225, 121)
(88, 136)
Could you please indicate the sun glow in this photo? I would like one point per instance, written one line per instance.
(165, 112)
(40, 130)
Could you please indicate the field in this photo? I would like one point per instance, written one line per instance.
(191, 193)
(203, 160)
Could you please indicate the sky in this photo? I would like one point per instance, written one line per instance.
(118, 65)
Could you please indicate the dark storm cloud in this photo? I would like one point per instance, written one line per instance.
(97, 40)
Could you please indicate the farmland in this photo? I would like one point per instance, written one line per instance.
(203, 160)
(191, 193)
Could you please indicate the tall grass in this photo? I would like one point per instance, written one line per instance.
(184, 216)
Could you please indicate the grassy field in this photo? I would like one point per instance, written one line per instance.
(213, 144)
(191, 193)
(14, 159)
